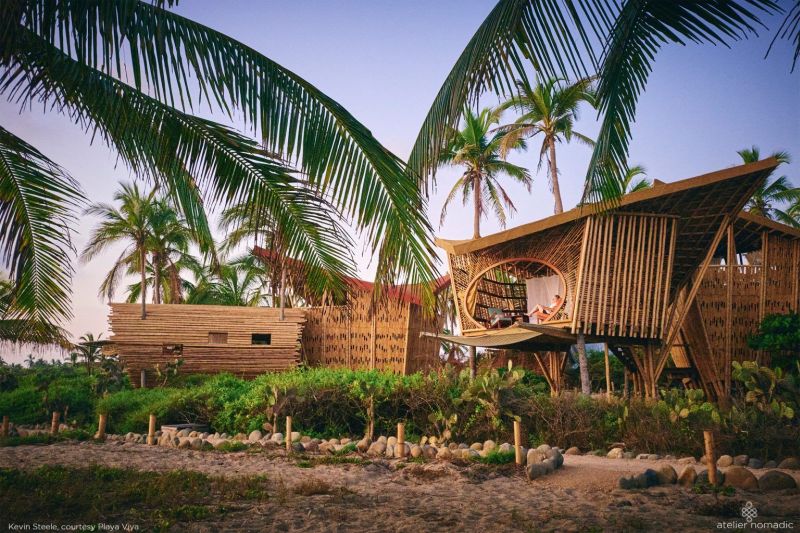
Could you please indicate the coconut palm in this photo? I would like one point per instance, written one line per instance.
(131, 72)
(550, 108)
(618, 41)
(20, 328)
(130, 223)
(635, 179)
(480, 152)
(773, 193)
(234, 284)
(88, 348)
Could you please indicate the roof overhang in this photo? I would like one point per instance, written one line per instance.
(517, 337)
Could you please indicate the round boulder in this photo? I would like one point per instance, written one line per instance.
(755, 463)
(702, 477)
(790, 463)
(254, 436)
(376, 448)
(416, 451)
(556, 456)
(574, 450)
(476, 446)
(534, 457)
(391, 441)
(739, 477)
(687, 477)
(741, 460)
(666, 475)
(277, 437)
(543, 448)
(445, 454)
(776, 480)
(724, 461)
(535, 470)
(615, 453)
(489, 445)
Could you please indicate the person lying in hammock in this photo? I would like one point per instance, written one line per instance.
(543, 312)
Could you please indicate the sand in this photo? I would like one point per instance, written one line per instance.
(439, 496)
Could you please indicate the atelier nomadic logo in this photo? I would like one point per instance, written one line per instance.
(749, 514)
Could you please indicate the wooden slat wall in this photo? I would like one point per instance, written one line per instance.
(624, 281)
(139, 342)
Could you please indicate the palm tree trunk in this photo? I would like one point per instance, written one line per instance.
(156, 279)
(473, 362)
(476, 221)
(283, 293)
(583, 363)
(142, 271)
(559, 207)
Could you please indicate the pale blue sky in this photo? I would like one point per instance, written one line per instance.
(384, 61)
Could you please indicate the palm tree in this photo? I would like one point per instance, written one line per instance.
(131, 223)
(774, 192)
(235, 284)
(479, 151)
(168, 244)
(618, 41)
(550, 109)
(632, 182)
(67, 57)
(88, 348)
(20, 328)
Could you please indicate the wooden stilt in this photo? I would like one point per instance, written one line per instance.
(401, 440)
(151, 430)
(608, 372)
(54, 423)
(101, 427)
(711, 457)
(288, 434)
(517, 442)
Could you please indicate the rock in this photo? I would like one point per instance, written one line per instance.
(670, 458)
(463, 446)
(470, 454)
(240, 437)
(476, 446)
(184, 443)
(739, 477)
(345, 440)
(363, 445)
(391, 441)
(377, 448)
(416, 451)
(598, 453)
(702, 477)
(295, 436)
(505, 447)
(405, 451)
(423, 441)
(382, 439)
(305, 438)
(628, 483)
(643, 456)
(790, 463)
(666, 475)
(687, 460)
(220, 443)
(445, 454)
(390, 450)
(543, 448)
(433, 440)
(555, 455)
(648, 478)
(653, 457)
(298, 447)
(196, 443)
(489, 445)
(534, 457)
(770, 464)
(184, 433)
(687, 477)
(741, 460)
(311, 446)
(206, 446)
(453, 446)
(277, 437)
(755, 463)
(327, 447)
(628, 455)
(574, 450)
(535, 470)
(776, 480)
(724, 460)
(615, 453)
(254, 436)
(429, 451)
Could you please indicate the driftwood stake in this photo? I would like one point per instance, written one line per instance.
(517, 442)
(54, 423)
(5, 426)
(101, 427)
(151, 430)
(711, 457)
(288, 434)
(608, 373)
(401, 439)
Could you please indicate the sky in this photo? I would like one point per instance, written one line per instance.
(384, 61)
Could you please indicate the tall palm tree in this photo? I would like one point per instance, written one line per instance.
(234, 284)
(480, 152)
(168, 244)
(20, 328)
(131, 224)
(618, 41)
(76, 58)
(770, 196)
(550, 108)
(88, 348)
(635, 179)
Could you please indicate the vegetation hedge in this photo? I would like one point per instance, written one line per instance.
(329, 402)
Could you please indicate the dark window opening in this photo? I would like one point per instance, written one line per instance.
(261, 338)
(172, 349)
(218, 337)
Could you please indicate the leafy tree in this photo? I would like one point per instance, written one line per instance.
(779, 334)
(74, 58)
(481, 153)
(550, 108)
(618, 41)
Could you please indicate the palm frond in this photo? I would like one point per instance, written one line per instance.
(38, 200)
(790, 31)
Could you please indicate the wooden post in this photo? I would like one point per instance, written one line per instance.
(142, 379)
(517, 442)
(5, 426)
(151, 430)
(608, 373)
(288, 434)
(54, 423)
(711, 457)
(101, 427)
(401, 440)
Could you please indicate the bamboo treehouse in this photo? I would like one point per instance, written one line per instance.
(649, 278)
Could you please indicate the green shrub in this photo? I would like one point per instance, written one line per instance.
(496, 457)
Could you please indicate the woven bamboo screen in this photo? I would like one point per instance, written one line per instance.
(624, 277)
(196, 332)
(559, 246)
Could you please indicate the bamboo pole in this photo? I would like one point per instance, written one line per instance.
(401, 440)
(608, 372)
(711, 457)
(5, 426)
(143, 379)
(101, 427)
(517, 442)
(288, 434)
(151, 430)
(54, 423)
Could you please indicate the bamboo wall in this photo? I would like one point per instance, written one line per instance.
(388, 339)
(141, 343)
(623, 282)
